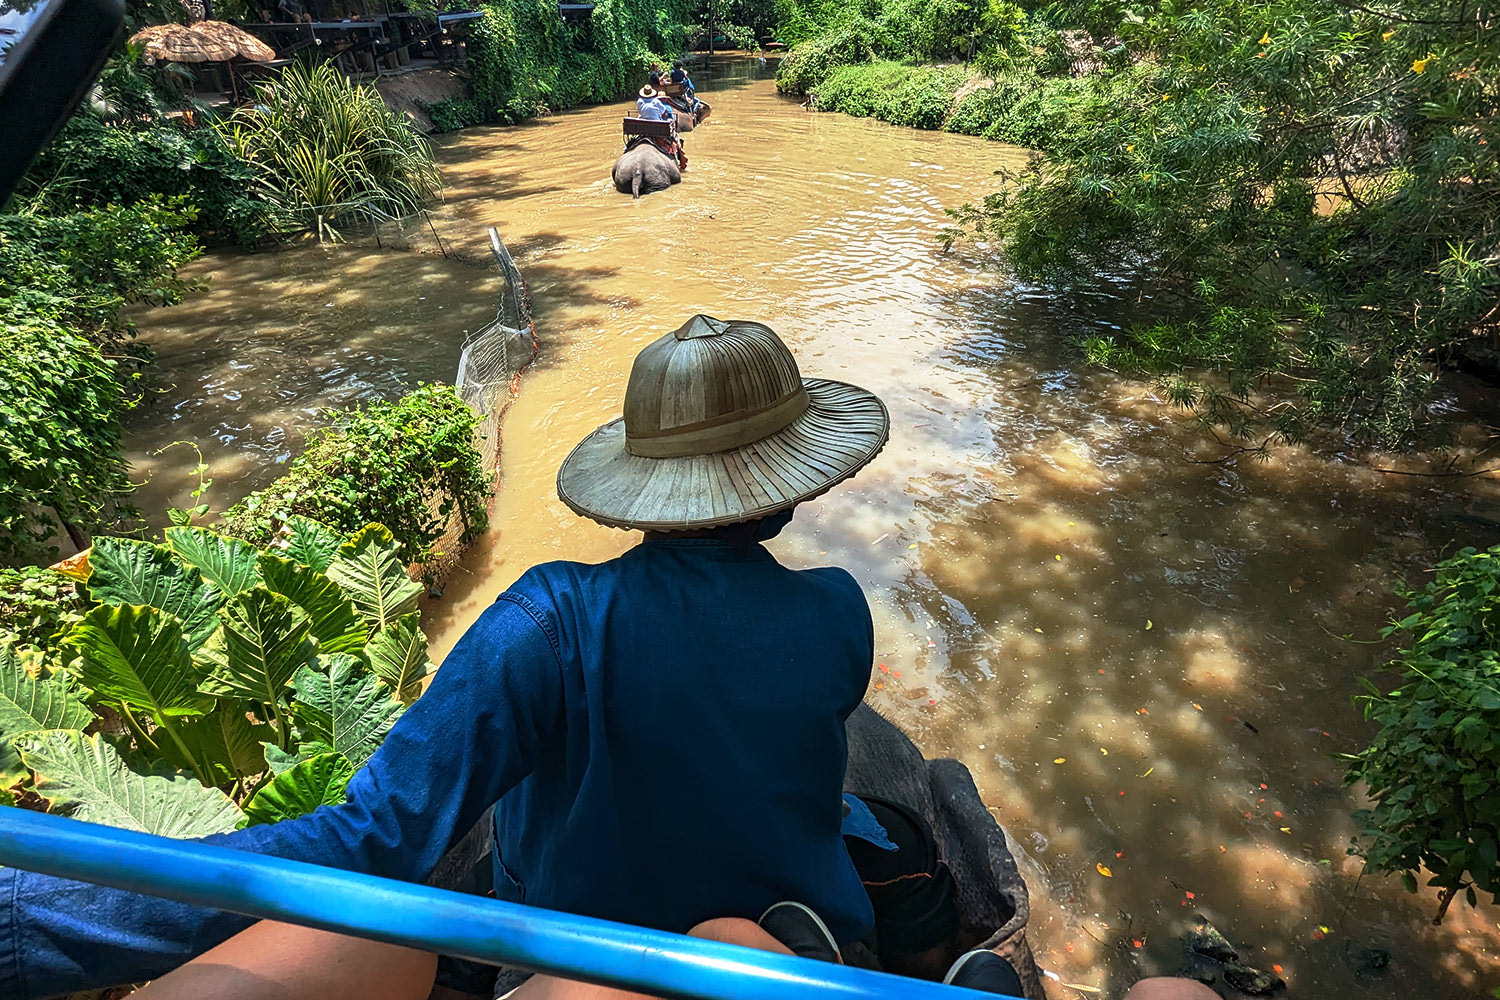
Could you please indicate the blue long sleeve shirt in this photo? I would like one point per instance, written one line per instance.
(661, 734)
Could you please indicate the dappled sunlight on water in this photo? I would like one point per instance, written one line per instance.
(1137, 649)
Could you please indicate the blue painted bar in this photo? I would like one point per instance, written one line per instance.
(450, 923)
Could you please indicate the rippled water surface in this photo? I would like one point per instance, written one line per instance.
(1135, 648)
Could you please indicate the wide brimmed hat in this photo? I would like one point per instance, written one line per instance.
(720, 427)
(648, 91)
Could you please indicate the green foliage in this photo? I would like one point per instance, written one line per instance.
(914, 96)
(826, 35)
(524, 60)
(92, 164)
(327, 151)
(59, 437)
(316, 781)
(35, 605)
(84, 777)
(1314, 188)
(64, 283)
(80, 270)
(407, 463)
(1433, 768)
(192, 658)
(453, 113)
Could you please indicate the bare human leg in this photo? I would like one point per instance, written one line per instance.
(276, 961)
(730, 930)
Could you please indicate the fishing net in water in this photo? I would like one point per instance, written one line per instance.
(489, 376)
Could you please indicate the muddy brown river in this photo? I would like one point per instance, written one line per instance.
(1138, 650)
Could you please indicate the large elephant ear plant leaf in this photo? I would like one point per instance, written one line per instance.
(124, 571)
(332, 619)
(347, 708)
(311, 543)
(265, 642)
(398, 654)
(136, 656)
(85, 778)
(317, 781)
(228, 564)
(222, 746)
(370, 570)
(29, 704)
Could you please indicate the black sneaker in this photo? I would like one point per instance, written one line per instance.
(801, 930)
(986, 972)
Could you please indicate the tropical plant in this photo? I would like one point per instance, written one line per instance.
(328, 151)
(1314, 188)
(408, 463)
(208, 674)
(93, 164)
(453, 113)
(60, 463)
(525, 60)
(1433, 768)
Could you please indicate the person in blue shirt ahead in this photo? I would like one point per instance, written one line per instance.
(651, 107)
(661, 735)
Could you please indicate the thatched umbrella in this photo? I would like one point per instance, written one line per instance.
(244, 44)
(206, 41)
(176, 43)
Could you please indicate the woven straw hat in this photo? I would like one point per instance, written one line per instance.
(648, 91)
(719, 428)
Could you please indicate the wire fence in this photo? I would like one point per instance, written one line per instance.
(488, 379)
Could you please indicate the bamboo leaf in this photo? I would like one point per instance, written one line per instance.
(85, 778)
(398, 654)
(136, 655)
(348, 708)
(314, 782)
(370, 571)
(124, 571)
(228, 564)
(332, 618)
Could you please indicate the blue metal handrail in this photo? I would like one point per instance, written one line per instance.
(436, 920)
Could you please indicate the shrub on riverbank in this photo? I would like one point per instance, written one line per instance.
(408, 463)
(93, 164)
(1433, 768)
(64, 282)
(210, 683)
(825, 36)
(327, 150)
(524, 59)
(1315, 190)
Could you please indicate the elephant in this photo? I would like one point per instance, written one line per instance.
(883, 763)
(686, 119)
(644, 168)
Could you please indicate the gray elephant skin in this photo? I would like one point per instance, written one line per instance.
(645, 169)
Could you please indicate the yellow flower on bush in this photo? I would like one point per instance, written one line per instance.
(1385, 36)
(1420, 65)
(1266, 38)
